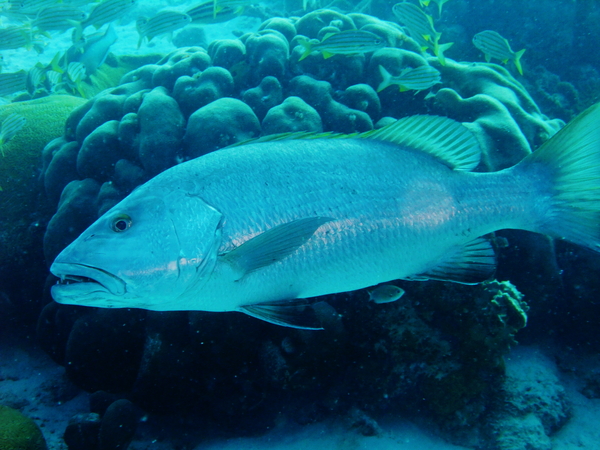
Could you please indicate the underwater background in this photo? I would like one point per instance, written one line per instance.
(99, 97)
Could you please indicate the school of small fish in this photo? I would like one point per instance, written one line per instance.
(30, 24)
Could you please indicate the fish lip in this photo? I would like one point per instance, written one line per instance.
(78, 274)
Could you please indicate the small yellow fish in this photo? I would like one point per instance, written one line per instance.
(54, 79)
(237, 5)
(10, 127)
(35, 78)
(349, 42)
(58, 18)
(161, 23)
(14, 37)
(421, 29)
(440, 3)
(11, 82)
(205, 13)
(385, 293)
(419, 23)
(418, 79)
(76, 73)
(493, 45)
(108, 11)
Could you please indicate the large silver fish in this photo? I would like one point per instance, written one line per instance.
(251, 228)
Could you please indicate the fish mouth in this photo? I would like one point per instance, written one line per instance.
(81, 280)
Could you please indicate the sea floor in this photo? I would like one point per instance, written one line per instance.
(31, 382)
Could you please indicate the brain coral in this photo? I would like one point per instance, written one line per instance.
(23, 208)
(18, 432)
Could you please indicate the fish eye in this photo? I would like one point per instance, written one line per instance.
(121, 223)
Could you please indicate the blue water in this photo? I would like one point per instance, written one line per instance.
(439, 368)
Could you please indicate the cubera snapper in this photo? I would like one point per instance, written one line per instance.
(258, 227)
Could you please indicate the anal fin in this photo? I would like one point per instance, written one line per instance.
(288, 313)
(471, 264)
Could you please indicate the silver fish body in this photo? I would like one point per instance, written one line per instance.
(267, 222)
(394, 214)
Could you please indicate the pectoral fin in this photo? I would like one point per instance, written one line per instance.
(273, 245)
(471, 264)
(288, 313)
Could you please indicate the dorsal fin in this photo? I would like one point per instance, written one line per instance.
(441, 137)
(445, 139)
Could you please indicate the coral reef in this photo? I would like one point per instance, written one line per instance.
(112, 428)
(23, 206)
(441, 350)
(497, 108)
(19, 432)
(532, 405)
(240, 88)
(45, 118)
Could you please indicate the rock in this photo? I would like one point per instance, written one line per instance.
(186, 61)
(118, 426)
(106, 107)
(294, 114)
(267, 54)
(161, 135)
(192, 93)
(265, 96)
(76, 210)
(218, 124)
(227, 52)
(280, 24)
(82, 432)
(310, 24)
(99, 152)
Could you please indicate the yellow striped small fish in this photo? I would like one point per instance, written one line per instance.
(54, 78)
(11, 82)
(237, 5)
(204, 13)
(163, 22)
(349, 42)
(493, 45)
(440, 3)
(419, 23)
(108, 11)
(32, 7)
(10, 127)
(417, 79)
(14, 37)
(76, 74)
(35, 77)
(58, 18)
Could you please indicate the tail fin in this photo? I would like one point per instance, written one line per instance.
(307, 48)
(386, 79)
(517, 61)
(573, 157)
(439, 50)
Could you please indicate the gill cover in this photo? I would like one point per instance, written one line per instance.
(145, 252)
